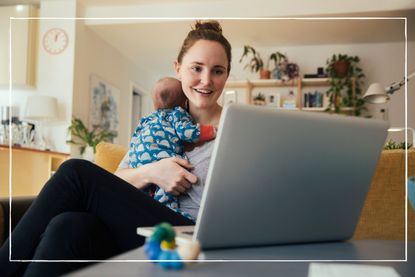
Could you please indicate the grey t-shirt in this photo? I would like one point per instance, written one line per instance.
(199, 157)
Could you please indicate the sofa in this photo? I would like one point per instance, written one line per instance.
(382, 217)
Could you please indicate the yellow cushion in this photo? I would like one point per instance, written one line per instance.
(109, 155)
(383, 214)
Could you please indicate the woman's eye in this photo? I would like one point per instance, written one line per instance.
(196, 68)
(218, 71)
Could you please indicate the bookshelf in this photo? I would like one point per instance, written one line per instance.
(246, 90)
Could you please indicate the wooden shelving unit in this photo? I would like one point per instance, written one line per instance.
(300, 84)
(30, 169)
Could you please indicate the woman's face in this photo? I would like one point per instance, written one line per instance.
(203, 73)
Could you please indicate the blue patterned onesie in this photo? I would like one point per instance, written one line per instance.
(160, 135)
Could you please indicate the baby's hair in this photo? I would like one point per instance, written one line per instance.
(206, 30)
(165, 96)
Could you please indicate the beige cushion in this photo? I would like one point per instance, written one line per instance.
(109, 155)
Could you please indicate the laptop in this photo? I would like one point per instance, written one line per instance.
(281, 177)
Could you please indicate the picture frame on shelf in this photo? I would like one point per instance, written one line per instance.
(273, 99)
(230, 97)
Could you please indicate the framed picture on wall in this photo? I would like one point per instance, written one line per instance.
(104, 105)
(229, 97)
(273, 99)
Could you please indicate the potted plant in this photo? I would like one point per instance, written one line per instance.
(280, 64)
(346, 80)
(392, 145)
(88, 140)
(259, 99)
(256, 64)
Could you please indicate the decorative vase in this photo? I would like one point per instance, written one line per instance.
(276, 73)
(89, 153)
(293, 70)
(264, 74)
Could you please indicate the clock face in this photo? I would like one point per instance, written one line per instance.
(55, 41)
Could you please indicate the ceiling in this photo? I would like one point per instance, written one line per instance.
(156, 35)
(154, 42)
(150, 31)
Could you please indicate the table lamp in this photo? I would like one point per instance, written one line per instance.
(376, 94)
(40, 109)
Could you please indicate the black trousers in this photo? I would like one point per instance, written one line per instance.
(82, 213)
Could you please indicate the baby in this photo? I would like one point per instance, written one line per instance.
(162, 133)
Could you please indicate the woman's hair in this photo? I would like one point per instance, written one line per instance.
(207, 30)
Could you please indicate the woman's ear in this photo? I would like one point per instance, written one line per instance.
(177, 69)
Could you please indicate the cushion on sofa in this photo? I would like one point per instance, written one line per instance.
(109, 155)
(383, 214)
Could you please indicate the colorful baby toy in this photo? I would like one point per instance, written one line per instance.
(161, 248)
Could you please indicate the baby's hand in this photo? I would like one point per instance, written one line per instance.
(207, 132)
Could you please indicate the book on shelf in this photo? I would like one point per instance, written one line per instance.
(314, 76)
(313, 99)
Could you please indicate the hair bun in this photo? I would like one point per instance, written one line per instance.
(212, 25)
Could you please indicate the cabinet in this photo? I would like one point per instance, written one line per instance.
(243, 92)
(24, 43)
(30, 169)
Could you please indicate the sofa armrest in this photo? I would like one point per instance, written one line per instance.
(19, 207)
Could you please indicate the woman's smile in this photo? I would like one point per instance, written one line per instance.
(203, 91)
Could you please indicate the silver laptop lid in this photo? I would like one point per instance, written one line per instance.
(280, 176)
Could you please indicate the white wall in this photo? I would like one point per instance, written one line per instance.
(19, 60)
(54, 73)
(381, 62)
(19, 44)
(95, 56)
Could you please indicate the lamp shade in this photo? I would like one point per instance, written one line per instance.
(376, 94)
(40, 107)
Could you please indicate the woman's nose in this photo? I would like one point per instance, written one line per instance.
(206, 78)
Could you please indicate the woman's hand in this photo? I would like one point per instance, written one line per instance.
(171, 174)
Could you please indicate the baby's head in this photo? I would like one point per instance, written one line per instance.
(168, 93)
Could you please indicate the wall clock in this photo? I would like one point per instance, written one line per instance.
(55, 41)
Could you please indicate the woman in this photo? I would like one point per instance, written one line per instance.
(86, 213)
